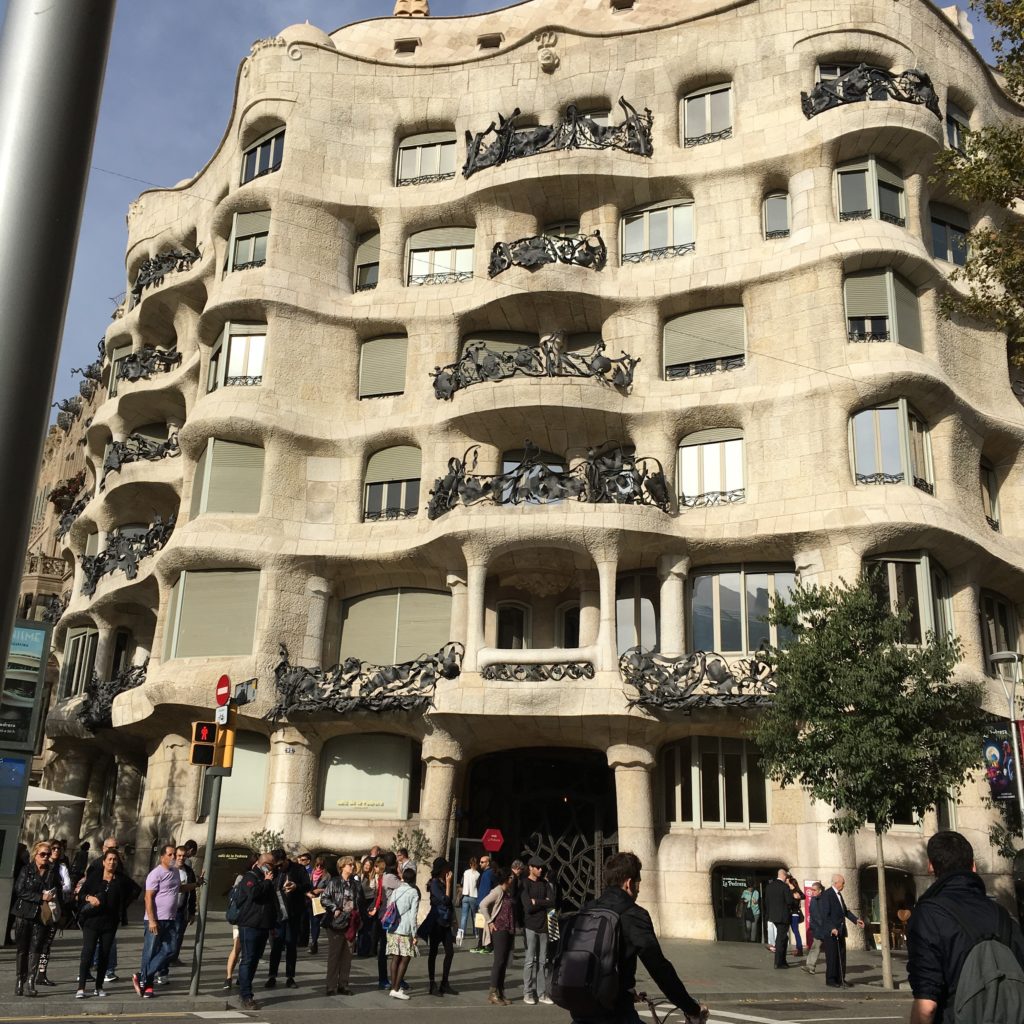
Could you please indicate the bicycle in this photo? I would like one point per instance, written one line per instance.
(673, 1015)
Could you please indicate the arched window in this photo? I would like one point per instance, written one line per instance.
(388, 627)
(264, 155)
(776, 215)
(891, 446)
(514, 626)
(707, 115)
(426, 158)
(368, 776)
(382, 366)
(711, 468)
(367, 262)
(882, 306)
(658, 231)
(441, 256)
(392, 489)
(704, 341)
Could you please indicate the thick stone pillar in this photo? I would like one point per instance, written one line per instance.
(104, 651)
(94, 794)
(126, 800)
(634, 803)
(672, 571)
(318, 594)
(71, 775)
(590, 607)
(456, 583)
(607, 651)
(443, 758)
(291, 783)
(476, 579)
(169, 800)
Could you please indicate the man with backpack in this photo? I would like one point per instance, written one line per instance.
(965, 952)
(594, 972)
(252, 905)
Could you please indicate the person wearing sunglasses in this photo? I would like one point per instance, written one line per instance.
(37, 895)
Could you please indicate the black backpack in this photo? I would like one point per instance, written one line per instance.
(585, 971)
(990, 989)
(237, 899)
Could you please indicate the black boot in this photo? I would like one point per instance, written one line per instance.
(30, 986)
(446, 989)
(42, 979)
(432, 991)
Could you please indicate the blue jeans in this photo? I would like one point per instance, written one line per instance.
(254, 942)
(157, 949)
(794, 924)
(468, 915)
(535, 971)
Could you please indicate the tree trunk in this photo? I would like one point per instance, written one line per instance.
(883, 914)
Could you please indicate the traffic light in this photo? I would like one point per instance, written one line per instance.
(204, 743)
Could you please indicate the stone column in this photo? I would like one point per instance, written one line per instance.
(104, 649)
(456, 583)
(169, 798)
(634, 803)
(590, 606)
(672, 571)
(292, 778)
(607, 653)
(476, 579)
(443, 758)
(95, 791)
(318, 593)
(71, 775)
(126, 800)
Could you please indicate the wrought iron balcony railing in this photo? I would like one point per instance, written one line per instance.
(539, 250)
(359, 686)
(55, 607)
(136, 448)
(153, 271)
(544, 672)
(993, 523)
(911, 86)
(610, 475)
(880, 478)
(703, 679)
(855, 215)
(866, 336)
(702, 140)
(703, 367)
(426, 179)
(712, 498)
(148, 360)
(69, 409)
(92, 375)
(124, 552)
(505, 141)
(923, 485)
(892, 218)
(37, 564)
(391, 513)
(448, 277)
(777, 233)
(549, 358)
(665, 252)
(250, 265)
(94, 711)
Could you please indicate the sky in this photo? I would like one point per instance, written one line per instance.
(166, 103)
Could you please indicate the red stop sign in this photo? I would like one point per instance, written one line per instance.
(492, 840)
(223, 691)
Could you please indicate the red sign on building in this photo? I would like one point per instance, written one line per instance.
(492, 840)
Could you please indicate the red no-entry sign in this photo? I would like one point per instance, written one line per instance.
(223, 691)
(492, 840)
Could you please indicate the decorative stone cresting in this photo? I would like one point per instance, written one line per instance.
(412, 9)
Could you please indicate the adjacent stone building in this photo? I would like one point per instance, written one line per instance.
(511, 364)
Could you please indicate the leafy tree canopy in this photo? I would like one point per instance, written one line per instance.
(868, 724)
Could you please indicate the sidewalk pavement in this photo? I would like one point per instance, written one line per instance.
(726, 971)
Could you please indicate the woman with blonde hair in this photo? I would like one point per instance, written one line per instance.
(36, 906)
(340, 899)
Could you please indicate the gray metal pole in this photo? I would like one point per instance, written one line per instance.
(204, 892)
(53, 54)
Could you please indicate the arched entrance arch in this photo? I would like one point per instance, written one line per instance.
(555, 803)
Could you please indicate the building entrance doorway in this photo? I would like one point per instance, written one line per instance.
(554, 803)
(727, 885)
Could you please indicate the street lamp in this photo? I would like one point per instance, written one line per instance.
(1002, 658)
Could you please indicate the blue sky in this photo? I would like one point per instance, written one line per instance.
(167, 99)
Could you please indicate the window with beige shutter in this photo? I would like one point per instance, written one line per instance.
(882, 306)
(426, 158)
(441, 256)
(705, 341)
(382, 366)
(387, 627)
(711, 468)
(392, 485)
(247, 246)
(117, 358)
(229, 478)
(367, 263)
(213, 613)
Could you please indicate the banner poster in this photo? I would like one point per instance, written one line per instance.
(23, 683)
(1000, 769)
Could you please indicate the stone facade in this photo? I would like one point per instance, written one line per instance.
(540, 583)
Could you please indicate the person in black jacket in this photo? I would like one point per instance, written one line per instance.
(258, 914)
(102, 900)
(437, 926)
(936, 944)
(834, 914)
(637, 939)
(536, 897)
(778, 908)
(38, 884)
(292, 883)
(817, 932)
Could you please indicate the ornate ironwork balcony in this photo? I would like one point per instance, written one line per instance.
(855, 215)
(891, 218)
(244, 382)
(549, 358)
(703, 140)
(94, 712)
(426, 179)
(136, 448)
(452, 277)
(880, 478)
(505, 141)
(66, 502)
(143, 364)
(703, 679)
(123, 553)
(55, 607)
(712, 498)
(251, 265)
(777, 233)
(92, 375)
(37, 564)
(666, 252)
(359, 686)
(153, 271)
(923, 485)
(67, 519)
(609, 476)
(538, 250)
(701, 369)
(69, 409)
(390, 513)
(866, 336)
(543, 673)
(911, 86)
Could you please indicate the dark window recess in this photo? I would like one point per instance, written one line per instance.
(263, 158)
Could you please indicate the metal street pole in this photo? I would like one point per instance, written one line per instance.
(217, 774)
(53, 54)
(1016, 737)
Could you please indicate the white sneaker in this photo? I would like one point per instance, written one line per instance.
(110, 976)
(530, 1000)
(162, 979)
(100, 994)
(80, 994)
(399, 994)
(546, 1001)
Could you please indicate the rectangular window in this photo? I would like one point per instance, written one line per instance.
(707, 116)
(999, 631)
(382, 366)
(229, 478)
(242, 364)
(871, 188)
(79, 661)
(117, 358)
(949, 234)
(729, 609)
(918, 585)
(264, 157)
(705, 341)
(989, 493)
(248, 243)
(957, 124)
(657, 233)
(776, 216)
(711, 470)
(423, 159)
(214, 613)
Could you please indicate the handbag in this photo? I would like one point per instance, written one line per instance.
(479, 921)
(391, 918)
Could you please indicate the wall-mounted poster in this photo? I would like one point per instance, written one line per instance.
(1000, 768)
(23, 684)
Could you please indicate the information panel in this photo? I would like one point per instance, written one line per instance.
(24, 686)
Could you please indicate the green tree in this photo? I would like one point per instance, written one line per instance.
(264, 840)
(989, 170)
(868, 724)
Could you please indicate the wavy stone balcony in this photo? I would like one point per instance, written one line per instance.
(154, 270)
(863, 82)
(610, 475)
(505, 141)
(147, 361)
(136, 448)
(549, 358)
